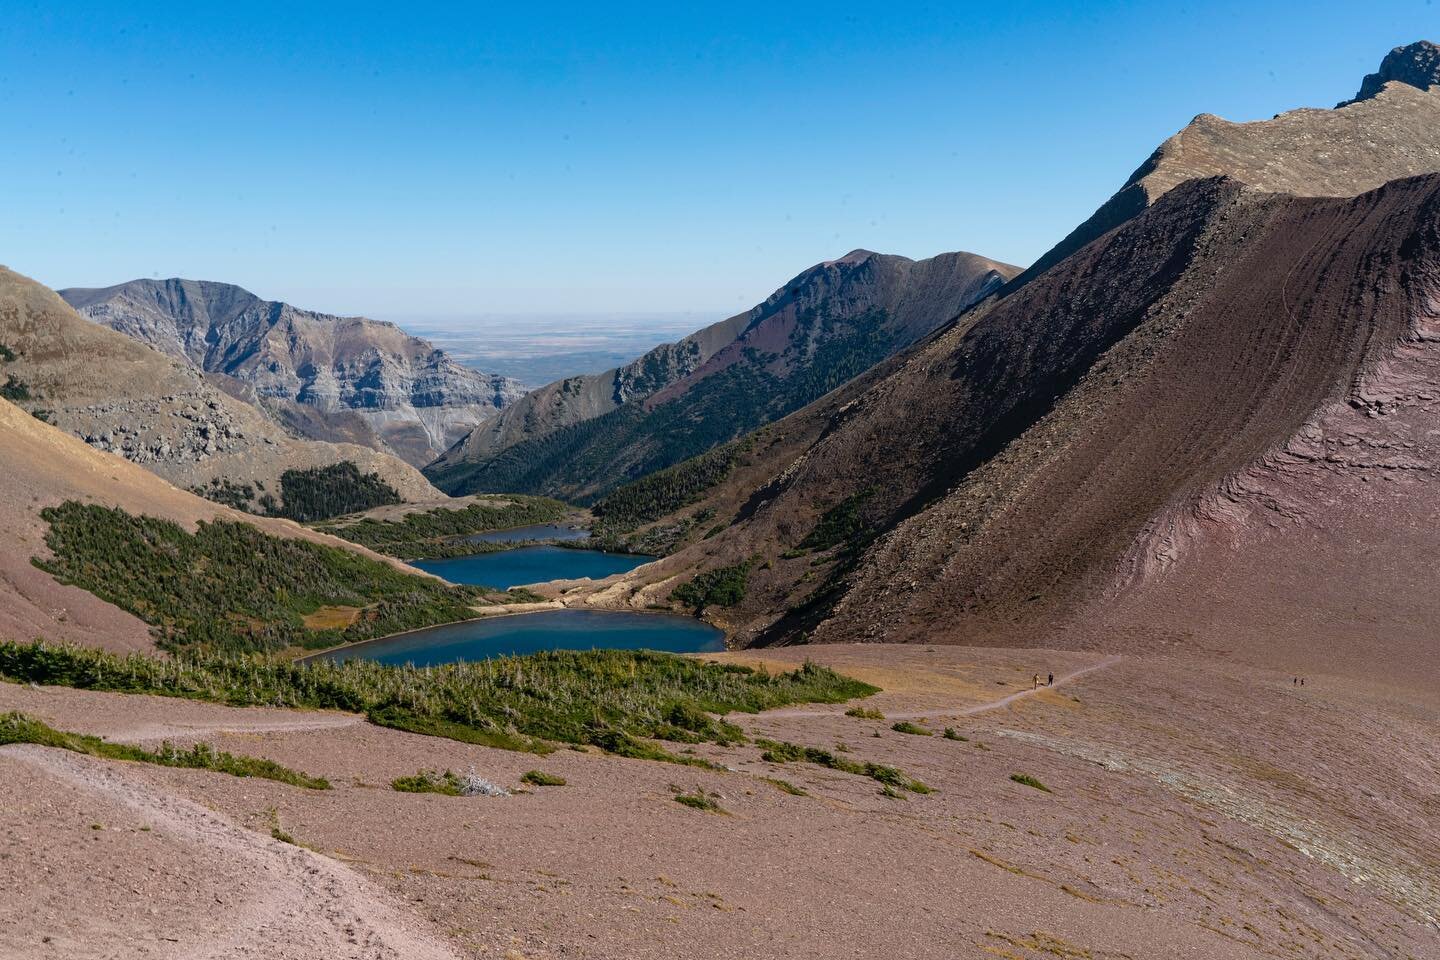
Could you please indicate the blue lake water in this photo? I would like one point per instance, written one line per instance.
(512, 568)
(533, 632)
(536, 531)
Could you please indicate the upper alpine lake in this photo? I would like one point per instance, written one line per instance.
(504, 569)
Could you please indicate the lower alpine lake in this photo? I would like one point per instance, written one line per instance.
(504, 569)
(534, 632)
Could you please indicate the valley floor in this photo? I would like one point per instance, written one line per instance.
(1193, 810)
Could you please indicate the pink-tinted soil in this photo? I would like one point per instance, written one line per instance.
(1195, 810)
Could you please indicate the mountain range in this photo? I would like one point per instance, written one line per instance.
(339, 379)
(124, 397)
(580, 437)
(1202, 427)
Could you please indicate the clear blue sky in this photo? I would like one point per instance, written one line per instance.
(408, 160)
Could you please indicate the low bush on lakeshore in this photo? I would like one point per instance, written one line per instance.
(617, 700)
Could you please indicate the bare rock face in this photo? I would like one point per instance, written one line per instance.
(124, 397)
(580, 437)
(1389, 133)
(341, 379)
(1416, 64)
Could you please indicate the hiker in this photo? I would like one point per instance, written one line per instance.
(1050, 680)
(1035, 682)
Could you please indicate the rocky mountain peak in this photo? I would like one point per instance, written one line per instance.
(1417, 64)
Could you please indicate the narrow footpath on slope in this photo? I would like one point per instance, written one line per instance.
(959, 710)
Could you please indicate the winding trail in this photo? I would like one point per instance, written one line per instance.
(956, 711)
(150, 732)
(310, 907)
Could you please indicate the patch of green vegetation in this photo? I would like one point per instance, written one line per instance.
(721, 587)
(951, 734)
(398, 717)
(537, 778)
(617, 700)
(700, 800)
(864, 713)
(429, 781)
(842, 523)
(905, 726)
(15, 390)
(1029, 781)
(786, 752)
(785, 786)
(443, 532)
(6, 354)
(330, 491)
(44, 416)
(666, 491)
(230, 585)
(19, 728)
(238, 496)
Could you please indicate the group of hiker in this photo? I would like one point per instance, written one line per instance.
(1297, 681)
(1049, 681)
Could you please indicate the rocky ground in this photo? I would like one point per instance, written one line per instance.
(1193, 810)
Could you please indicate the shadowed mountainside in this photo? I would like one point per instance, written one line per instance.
(341, 379)
(580, 437)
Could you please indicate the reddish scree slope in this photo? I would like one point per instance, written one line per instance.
(1056, 470)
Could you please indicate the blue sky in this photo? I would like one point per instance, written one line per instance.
(422, 161)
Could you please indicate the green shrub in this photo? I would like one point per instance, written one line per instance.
(19, 728)
(429, 781)
(951, 734)
(538, 779)
(905, 726)
(15, 390)
(864, 713)
(1029, 781)
(785, 786)
(700, 800)
(785, 752)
